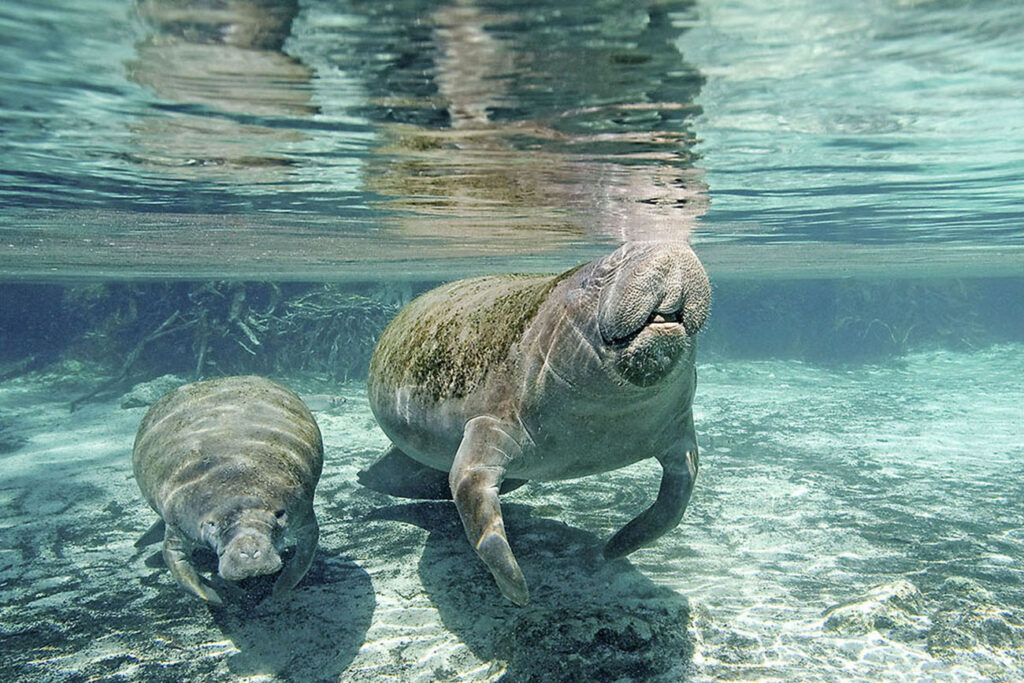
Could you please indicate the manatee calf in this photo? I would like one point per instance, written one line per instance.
(514, 377)
(232, 464)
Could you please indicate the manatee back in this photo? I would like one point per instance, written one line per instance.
(228, 436)
(443, 343)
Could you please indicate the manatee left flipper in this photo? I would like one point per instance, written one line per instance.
(307, 536)
(678, 475)
(488, 445)
(177, 557)
(396, 474)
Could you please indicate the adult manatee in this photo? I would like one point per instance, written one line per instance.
(513, 377)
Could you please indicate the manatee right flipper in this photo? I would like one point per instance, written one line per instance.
(177, 557)
(488, 445)
(679, 471)
(396, 474)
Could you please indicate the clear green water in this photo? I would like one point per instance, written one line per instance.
(850, 174)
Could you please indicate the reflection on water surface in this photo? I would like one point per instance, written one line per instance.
(263, 138)
(301, 140)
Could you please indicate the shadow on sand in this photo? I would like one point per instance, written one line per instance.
(78, 605)
(588, 619)
(313, 633)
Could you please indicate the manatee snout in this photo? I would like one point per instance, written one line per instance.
(656, 300)
(248, 554)
(655, 286)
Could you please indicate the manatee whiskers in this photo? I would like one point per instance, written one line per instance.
(461, 383)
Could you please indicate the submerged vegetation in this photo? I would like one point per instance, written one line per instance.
(134, 332)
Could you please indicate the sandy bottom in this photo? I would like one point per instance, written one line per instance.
(856, 524)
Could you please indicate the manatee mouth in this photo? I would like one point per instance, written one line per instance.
(664, 322)
(248, 555)
(657, 323)
(650, 352)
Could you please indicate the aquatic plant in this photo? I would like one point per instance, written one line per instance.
(207, 329)
(328, 331)
(898, 316)
(136, 331)
(145, 330)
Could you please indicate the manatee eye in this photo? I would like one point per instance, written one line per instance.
(210, 524)
(281, 516)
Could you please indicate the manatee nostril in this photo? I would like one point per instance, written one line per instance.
(250, 551)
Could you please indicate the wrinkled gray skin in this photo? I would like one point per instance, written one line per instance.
(232, 464)
(600, 376)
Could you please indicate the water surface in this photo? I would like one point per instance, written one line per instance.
(159, 139)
